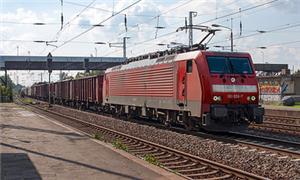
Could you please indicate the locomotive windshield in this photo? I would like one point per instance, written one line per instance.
(228, 65)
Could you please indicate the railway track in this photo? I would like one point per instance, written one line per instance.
(280, 124)
(281, 147)
(181, 163)
(283, 119)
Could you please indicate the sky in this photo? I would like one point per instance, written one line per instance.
(273, 24)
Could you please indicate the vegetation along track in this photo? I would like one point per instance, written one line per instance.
(288, 125)
(181, 163)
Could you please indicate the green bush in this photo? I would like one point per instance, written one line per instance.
(151, 159)
(119, 145)
(98, 136)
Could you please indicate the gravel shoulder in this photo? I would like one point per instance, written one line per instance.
(262, 163)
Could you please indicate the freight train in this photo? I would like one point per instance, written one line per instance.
(216, 91)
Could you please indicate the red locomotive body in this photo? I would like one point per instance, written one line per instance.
(214, 90)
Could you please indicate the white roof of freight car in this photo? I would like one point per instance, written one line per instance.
(150, 62)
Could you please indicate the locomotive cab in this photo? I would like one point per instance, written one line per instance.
(231, 97)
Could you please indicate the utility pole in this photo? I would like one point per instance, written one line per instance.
(191, 15)
(86, 65)
(49, 66)
(5, 76)
(124, 47)
(96, 52)
(231, 33)
(231, 36)
(120, 45)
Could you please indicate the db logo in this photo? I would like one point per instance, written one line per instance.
(232, 80)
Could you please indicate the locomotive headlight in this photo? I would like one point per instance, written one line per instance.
(251, 98)
(217, 98)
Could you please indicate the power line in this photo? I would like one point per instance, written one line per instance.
(75, 37)
(221, 17)
(276, 44)
(289, 26)
(283, 43)
(32, 41)
(237, 12)
(253, 12)
(58, 33)
(109, 11)
(78, 4)
(75, 17)
(164, 12)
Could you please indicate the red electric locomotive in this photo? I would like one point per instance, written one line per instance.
(213, 90)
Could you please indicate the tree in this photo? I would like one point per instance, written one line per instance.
(6, 92)
(297, 72)
(91, 73)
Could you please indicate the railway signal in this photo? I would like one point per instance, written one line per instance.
(49, 66)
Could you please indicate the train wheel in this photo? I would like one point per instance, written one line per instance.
(167, 124)
(128, 117)
(165, 121)
(189, 124)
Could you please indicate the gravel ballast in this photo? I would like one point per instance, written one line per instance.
(264, 164)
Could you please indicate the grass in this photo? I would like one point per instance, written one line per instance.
(119, 145)
(151, 159)
(98, 136)
(297, 104)
(27, 100)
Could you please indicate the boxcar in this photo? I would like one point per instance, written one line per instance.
(85, 92)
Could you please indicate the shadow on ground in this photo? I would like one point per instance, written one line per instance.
(121, 175)
(39, 130)
(17, 166)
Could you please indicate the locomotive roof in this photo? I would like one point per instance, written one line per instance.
(166, 59)
(159, 60)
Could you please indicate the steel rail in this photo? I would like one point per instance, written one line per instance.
(214, 165)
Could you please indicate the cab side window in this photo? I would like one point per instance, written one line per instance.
(189, 66)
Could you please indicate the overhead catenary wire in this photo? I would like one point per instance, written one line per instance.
(207, 21)
(75, 17)
(288, 26)
(89, 29)
(237, 12)
(128, 14)
(161, 14)
(224, 16)
(283, 43)
(58, 33)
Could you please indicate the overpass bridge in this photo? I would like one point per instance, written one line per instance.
(58, 63)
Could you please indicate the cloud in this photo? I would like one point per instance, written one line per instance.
(84, 23)
(141, 27)
(289, 6)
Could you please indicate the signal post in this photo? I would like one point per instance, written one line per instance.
(49, 66)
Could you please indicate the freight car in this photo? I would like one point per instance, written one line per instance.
(217, 91)
(213, 90)
(81, 93)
